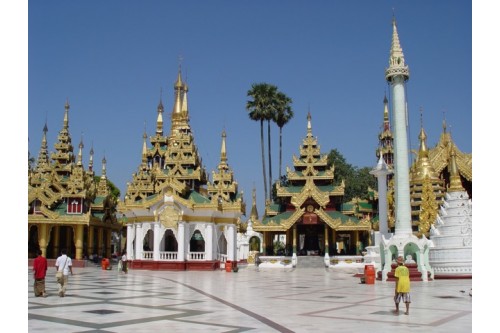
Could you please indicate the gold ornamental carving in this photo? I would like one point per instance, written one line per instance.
(169, 217)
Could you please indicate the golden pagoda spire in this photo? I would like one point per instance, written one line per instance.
(178, 87)
(159, 119)
(103, 176)
(423, 167)
(184, 107)
(80, 148)
(455, 182)
(254, 215)
(91, 157)
(66, 116)
(144, 147)
(223, 154)
(43, 156)
(309, 126)
(386, 114)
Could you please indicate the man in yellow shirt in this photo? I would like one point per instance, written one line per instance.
(402, 291)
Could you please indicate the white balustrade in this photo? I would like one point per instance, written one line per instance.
(147, 255)
(168, 255)
(196, 255)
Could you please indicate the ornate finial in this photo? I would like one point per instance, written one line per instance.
(455, 182)
(309, 126)
(397, 66)
(103, 167)
(66, 115)
(91, 156)
(80, 148)
(159, 119)
(223, 152)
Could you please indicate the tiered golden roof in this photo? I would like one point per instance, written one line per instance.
(172, 165)
(310, 190)
(56, 188)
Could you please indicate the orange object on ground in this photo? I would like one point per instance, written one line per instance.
(369, 274)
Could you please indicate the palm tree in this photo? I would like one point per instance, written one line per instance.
(259, 110)
(282, 116)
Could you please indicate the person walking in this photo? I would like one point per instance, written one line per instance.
(64, 265)
(124, 262)
(39, 273)
(402, 291)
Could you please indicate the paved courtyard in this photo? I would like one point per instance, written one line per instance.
(300, 300)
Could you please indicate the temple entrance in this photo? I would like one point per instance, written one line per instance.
(310, 240)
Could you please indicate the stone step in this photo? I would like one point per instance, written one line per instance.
(310, 262)
(415, 275)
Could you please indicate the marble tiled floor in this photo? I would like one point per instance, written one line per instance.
(300, 300)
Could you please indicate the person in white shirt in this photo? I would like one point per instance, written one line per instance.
(64, 265)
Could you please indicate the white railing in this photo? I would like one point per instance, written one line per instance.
(147, 255)
(196, 255)
(222, 257)
(168, 255)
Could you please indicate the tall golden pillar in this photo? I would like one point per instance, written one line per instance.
(57, 239)
(356, 241)
(43, 238)
(90, 242)
(100, 239)
(79, 242)
(107, 242)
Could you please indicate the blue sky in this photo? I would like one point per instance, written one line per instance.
(112, 59)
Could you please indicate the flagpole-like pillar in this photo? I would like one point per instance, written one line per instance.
(381, 171)
(403, 242)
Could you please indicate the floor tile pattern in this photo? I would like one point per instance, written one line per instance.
(305, 300)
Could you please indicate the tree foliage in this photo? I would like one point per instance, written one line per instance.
(357, 180)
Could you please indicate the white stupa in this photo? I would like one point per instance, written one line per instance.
(451, 256)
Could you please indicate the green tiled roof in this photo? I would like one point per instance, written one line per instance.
(99, 200)
(348, 206)
(198, 198)
(278, 218)
(343, 218)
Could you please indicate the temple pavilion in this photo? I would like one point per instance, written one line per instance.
(307, 210)
(69, 207)
(176, 218)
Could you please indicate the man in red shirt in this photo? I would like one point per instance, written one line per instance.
(39, 272)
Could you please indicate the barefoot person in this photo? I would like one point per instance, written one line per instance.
(402, 291)
(64, 264)
(39, 272)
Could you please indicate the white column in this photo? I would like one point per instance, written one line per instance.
(401, 173)
(181, 241)
(156, 241)
(381, 171)
(209, 241)
(130, 241)
(231, 242)
(138, 241)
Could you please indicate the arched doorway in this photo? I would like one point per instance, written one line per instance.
(197, 243)
(170, 242)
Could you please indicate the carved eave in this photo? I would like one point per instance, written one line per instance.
(440, 156)
(273, 225)
(336, 223)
